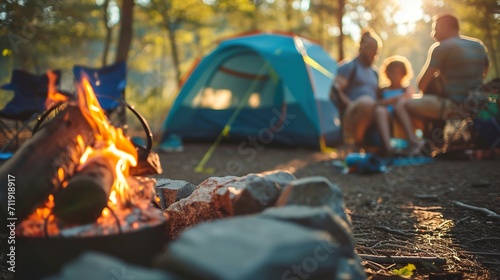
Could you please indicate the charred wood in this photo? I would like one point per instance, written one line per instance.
(45, 161)
(86, 193)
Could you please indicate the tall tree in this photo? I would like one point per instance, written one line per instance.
(481, 19)
(107, 26)
(340, 24)
(171, 25)
(185, 17)
(125, 35)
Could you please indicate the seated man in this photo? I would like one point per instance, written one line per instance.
(455, 66)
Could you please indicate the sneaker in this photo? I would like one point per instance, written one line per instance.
(172, 144)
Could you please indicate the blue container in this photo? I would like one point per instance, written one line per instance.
(354, 159)
(399, 144)
(364, 163)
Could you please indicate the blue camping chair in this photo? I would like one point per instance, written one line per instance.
(30, 94)
(108, 84)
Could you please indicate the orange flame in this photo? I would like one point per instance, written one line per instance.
(53, 96)
(110, 143)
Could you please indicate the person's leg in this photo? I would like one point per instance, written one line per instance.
(404, 119)
(383, 120)
(429, 106)
(358, 116)
(432, 108)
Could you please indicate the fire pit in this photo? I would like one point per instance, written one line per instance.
(75, 191)
(139, 238)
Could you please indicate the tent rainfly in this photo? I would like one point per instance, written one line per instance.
(259, 88)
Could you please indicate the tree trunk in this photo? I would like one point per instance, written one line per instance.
(340, 16)
(256, 16)
(44, 161)
(491, 46)
(125, 38)
(107, 40)
(288, 15)
(320, 31)
(173, 45)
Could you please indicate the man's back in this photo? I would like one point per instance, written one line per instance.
(462, 61)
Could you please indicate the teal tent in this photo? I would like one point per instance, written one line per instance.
(259, 88)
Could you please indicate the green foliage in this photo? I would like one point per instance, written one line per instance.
(34, 30)
(406, 271)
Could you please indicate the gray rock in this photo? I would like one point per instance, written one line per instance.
(314, 191)
(251, 193)
(320, 218)
(170, 191)
(259, 193)
(219, 197)
(97, 266)
(251, 248)
(280, 177)
(196, 208)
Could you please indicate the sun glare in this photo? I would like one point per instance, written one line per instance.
(410, 11)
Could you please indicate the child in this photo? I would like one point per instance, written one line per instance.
(397, 73)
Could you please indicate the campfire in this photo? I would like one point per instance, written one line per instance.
(74, 181)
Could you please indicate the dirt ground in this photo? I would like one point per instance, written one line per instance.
(407, 211)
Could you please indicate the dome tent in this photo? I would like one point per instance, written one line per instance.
(266, 87)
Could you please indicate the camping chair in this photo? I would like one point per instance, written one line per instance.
(108, 84)
(30, 93)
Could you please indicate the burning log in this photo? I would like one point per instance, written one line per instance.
(86, 194)
(45, 161)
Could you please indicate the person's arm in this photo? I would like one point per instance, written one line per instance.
(384, 101)
(387, 101)
(486, 67)
(486, 60)
(341, 84)
(408, 94)
(429, 69)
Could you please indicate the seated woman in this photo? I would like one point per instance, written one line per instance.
(357, 83)
(397, 73)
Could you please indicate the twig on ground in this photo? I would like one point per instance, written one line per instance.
(487, 212)
(394, 231)
(426, 196)
(422, 208)
(462, 220)
(481, 253)
(396, 246)
(402, 259)
(443, 223)
(375, 266)
(484, 239)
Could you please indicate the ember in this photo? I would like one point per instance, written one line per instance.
(113, 220)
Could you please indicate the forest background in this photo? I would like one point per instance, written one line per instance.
(160, 40)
